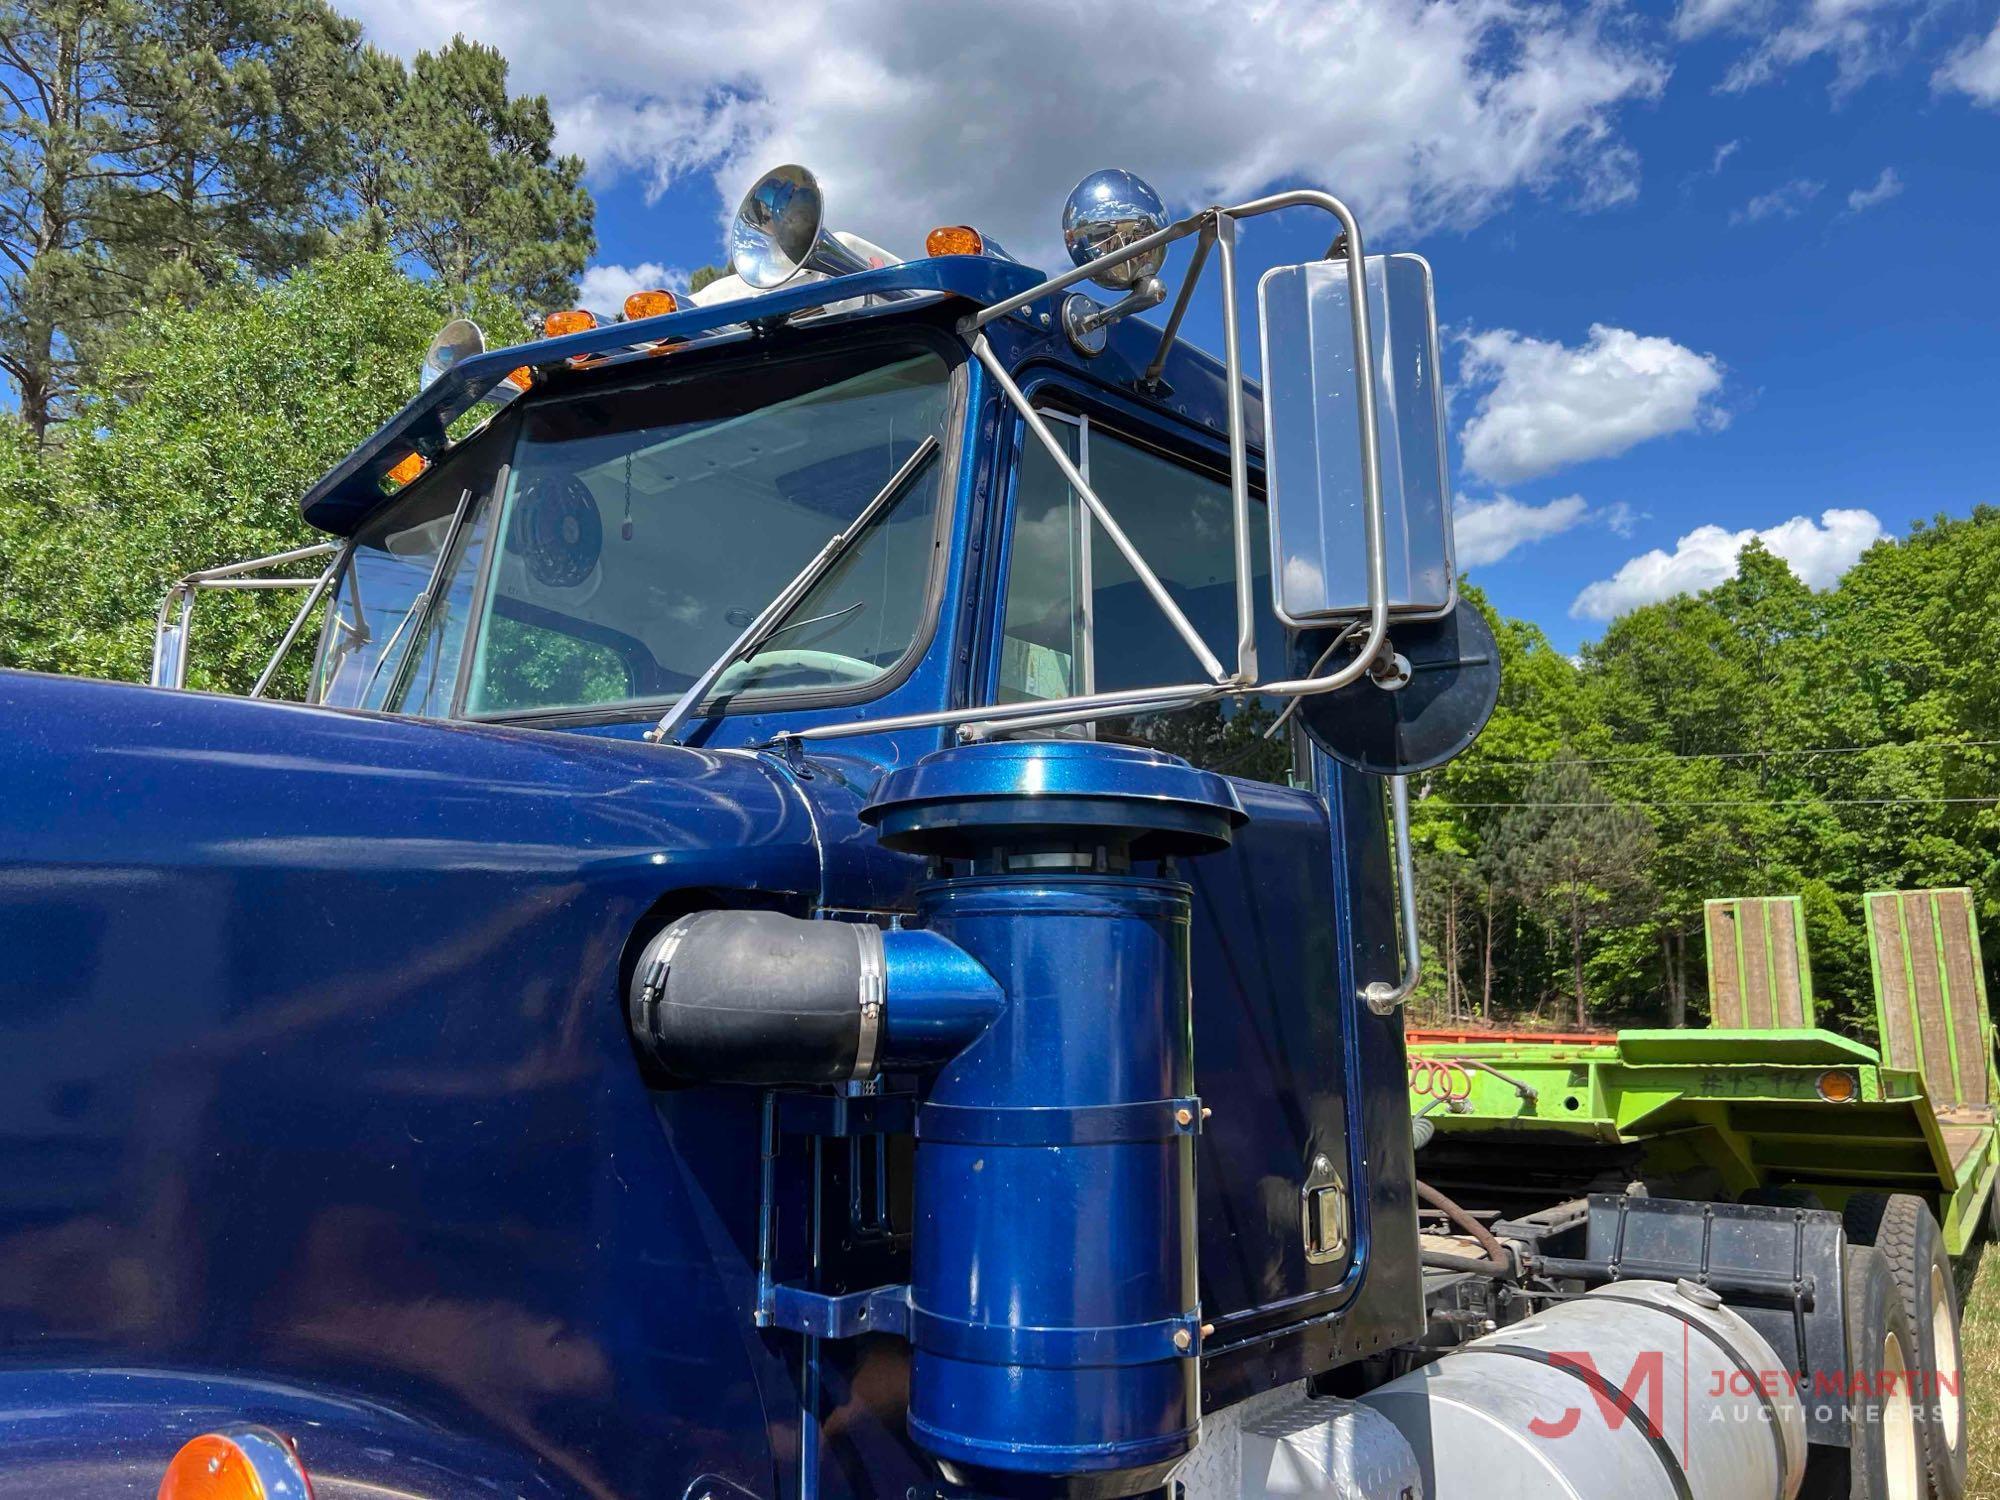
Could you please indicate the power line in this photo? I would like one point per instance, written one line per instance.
(1744, 802)
(1644, 760)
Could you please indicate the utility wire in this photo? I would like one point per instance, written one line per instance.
(1746, 802)
(1643, 760)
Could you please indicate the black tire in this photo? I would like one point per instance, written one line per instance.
(1885, 1454)
(1900, 1226)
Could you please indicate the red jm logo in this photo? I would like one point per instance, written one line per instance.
(1644, 1380)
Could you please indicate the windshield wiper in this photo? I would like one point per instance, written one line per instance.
(837, 614)
(760, 629)
(418, 607)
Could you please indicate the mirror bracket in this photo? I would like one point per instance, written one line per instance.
(1088, 324)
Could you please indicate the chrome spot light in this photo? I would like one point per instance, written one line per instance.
(1106, 210)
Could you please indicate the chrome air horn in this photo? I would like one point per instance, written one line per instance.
(780, 230)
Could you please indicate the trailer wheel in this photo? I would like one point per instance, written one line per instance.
(1900, 1226)
(1885, 1453)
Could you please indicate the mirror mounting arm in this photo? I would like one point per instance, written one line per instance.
(1086, 323)
(1204, 242)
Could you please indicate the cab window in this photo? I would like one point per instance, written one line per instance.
(1077, 619)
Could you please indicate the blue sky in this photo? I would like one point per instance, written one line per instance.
(1709, 270)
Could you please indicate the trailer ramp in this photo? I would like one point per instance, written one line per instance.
(1759, 977)
(1930, 1009)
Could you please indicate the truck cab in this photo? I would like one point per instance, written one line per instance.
(329, 1113)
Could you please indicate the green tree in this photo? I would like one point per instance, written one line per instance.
(64, 131)
(147, 148)
(205, 427)
(1577, 859)
(467, 185)
(247, 103)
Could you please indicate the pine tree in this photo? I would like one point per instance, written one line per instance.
(147, 149)
(468, 185)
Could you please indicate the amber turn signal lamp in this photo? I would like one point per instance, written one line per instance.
(520, 378)
(1836, 1087)
(954, 239)
(249, 1464)
(572, 320)
(408, 469)
(650, 305)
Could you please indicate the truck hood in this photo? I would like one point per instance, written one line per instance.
(313, 1064)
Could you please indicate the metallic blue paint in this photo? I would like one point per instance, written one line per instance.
(1054, 1259)
(317, 1110)
(938, 998)
(983, 793)
(1066, 1122)
(314, 1068)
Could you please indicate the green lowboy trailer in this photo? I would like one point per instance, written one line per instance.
(1760, 1106)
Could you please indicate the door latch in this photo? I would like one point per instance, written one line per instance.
(1324, 1213)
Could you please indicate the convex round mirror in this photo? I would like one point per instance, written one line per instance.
(1108, 209)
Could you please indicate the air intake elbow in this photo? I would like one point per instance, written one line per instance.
(761, 998)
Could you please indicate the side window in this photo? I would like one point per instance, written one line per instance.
(1041, 644)
(1079, 621)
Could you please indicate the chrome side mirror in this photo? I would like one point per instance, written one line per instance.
(1312, 442)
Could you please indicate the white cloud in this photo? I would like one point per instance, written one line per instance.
(1722, 154)
(1489, 529)
(1785, 201)
(1546, 404)
(1974, 69)
(1818, 552)
(1699, 17)
(1620, 518)
(1885, 187)
(1421, 112)
(604, 289)
(1858, 38)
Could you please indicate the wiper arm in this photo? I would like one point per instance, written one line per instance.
(760, 629)
(837, 614)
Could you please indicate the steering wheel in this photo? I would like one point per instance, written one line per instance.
(845, 669)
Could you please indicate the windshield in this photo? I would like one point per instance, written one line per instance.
(637, 531)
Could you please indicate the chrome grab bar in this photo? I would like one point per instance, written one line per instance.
(1217, 227)
(171, 627)
(1383, 997)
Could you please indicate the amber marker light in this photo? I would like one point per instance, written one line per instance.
(571, 320)
(1836, 1087)
(650, 304)
(408, 469)
(250, 1463)
(954, 239)
(520, 378)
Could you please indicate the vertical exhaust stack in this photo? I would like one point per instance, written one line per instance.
(1053, 1303)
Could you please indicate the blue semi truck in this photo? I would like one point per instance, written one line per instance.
(833, 925)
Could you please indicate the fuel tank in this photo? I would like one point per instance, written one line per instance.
(1639, 1389)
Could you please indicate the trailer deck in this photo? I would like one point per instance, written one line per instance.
(1765, 1108)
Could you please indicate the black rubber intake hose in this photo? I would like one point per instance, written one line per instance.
(761, 998)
